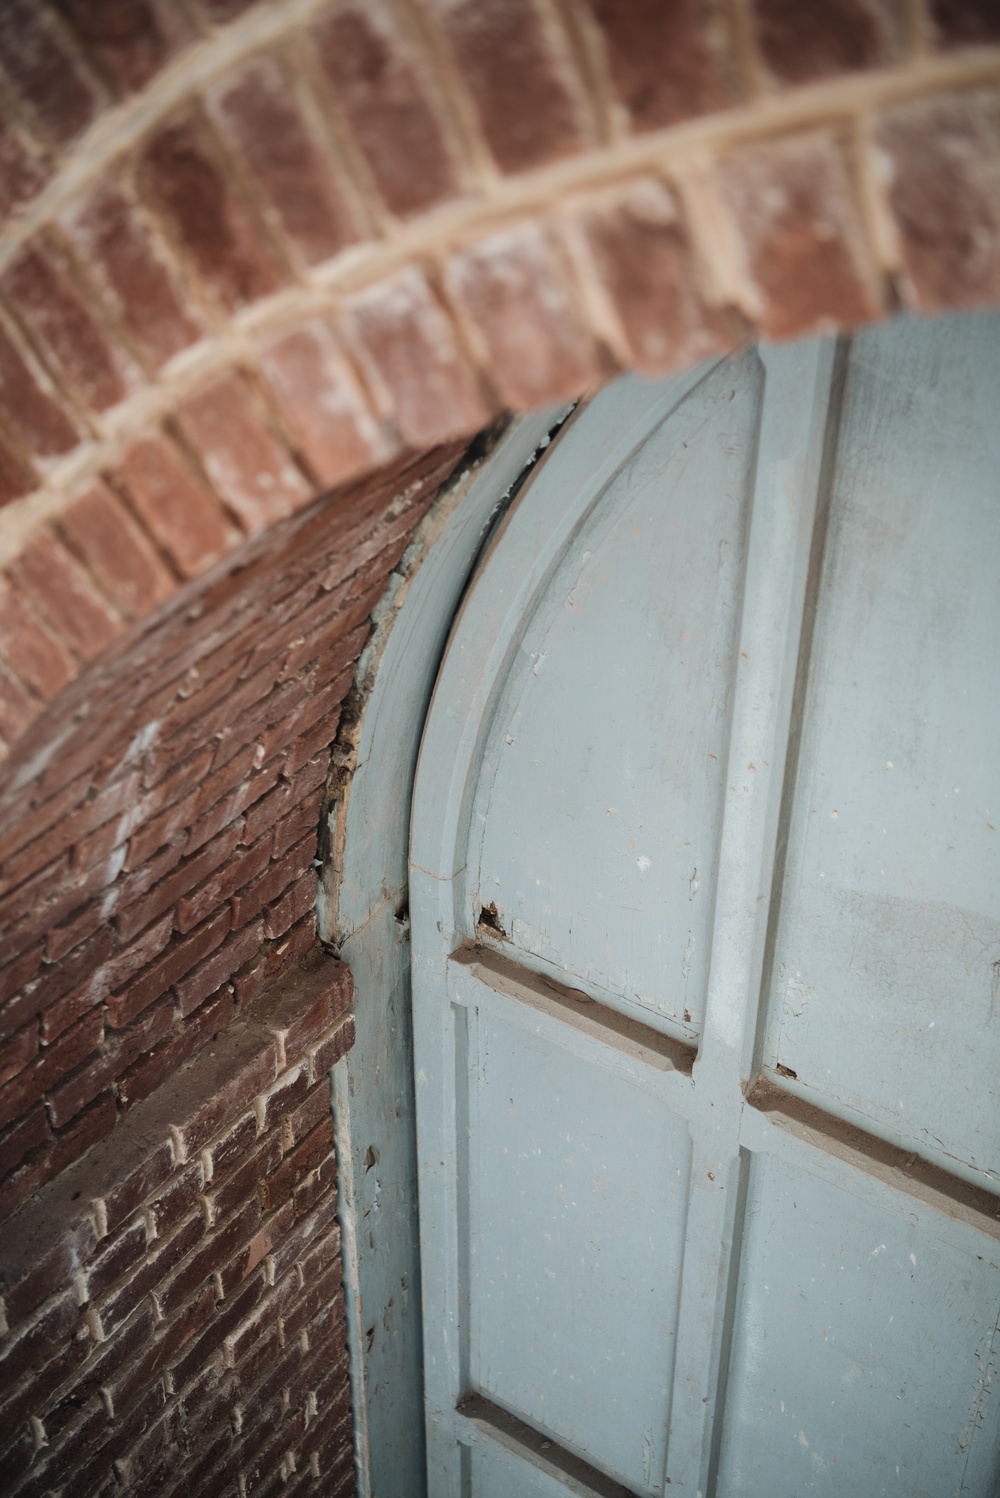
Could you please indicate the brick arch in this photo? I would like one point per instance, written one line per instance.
(253, 252)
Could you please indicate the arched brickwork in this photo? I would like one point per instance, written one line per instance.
(253, 251)
(254, 254)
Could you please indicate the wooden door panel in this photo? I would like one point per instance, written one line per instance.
(886, 986)
(855, 1320)
(577, 1192)
(586, 752)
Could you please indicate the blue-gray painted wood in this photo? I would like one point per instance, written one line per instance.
(724, 601)
(363, 918)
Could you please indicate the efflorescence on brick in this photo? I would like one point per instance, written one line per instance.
(253, 254)
(174, 1311)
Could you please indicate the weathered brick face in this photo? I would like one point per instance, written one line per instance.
(159, 824)
(250, 253)
(175, 1310)
(170, 1276)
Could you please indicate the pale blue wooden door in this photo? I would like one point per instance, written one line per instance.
(704, 894)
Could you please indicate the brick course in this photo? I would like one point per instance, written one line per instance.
(154, 1289)
(173, 879)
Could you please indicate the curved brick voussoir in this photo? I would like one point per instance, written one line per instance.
(254, 251)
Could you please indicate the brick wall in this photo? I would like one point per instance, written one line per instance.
(168, 1023)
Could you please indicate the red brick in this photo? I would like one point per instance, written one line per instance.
(32, 892)
(943, 162)
(314, 1296)
(232, 1147)
(23, 171)
(251, 470)
(165, 1349)
(303, 820)
(192, 909)
(17, 1457)
(28, 1133)
(180, 173)
(298, 1241)
(95, 977)
(170, 790)
(54, 309)
(131, 39)
(322, 403)
(178, 883)
(123, 1253)
(117, 1354)
(288, 1091)
(842, 36)
(246, 1323)
(293, 905)
(209, 975)
(26, 399)
(18, 971)
(278, 1187)
(70, 988)
(142, 1181)
(16, 478)
(312, 1110)
(128, 264)
(18, 708)
(80, 925)
(250, 900)
(64, 594)
(107, 805)
(315, 1186)
(336, 1045)
(311, 994)
(16, 1053)
(121, 558)
(180, 511)
(220, 1245)
(51, 1066)
(225, 1321)
(377, 84)
(181, 958)
(665, 61)
(517, 296)
(38, 656)
(288, 159)
(151, 1276)
(62, 96)
(273, 960)
(413, 357)
(643, 259)
(520, 81)
(273, 712)
(120, 1050)
(29, 1346)
(176, 1199)
(794, 203)
(240, 1186)
(963, 23)
(164, 1060)
(230, 1099)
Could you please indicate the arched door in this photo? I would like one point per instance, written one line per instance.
(704, 898)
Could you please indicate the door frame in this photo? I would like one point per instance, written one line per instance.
(362, 915)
